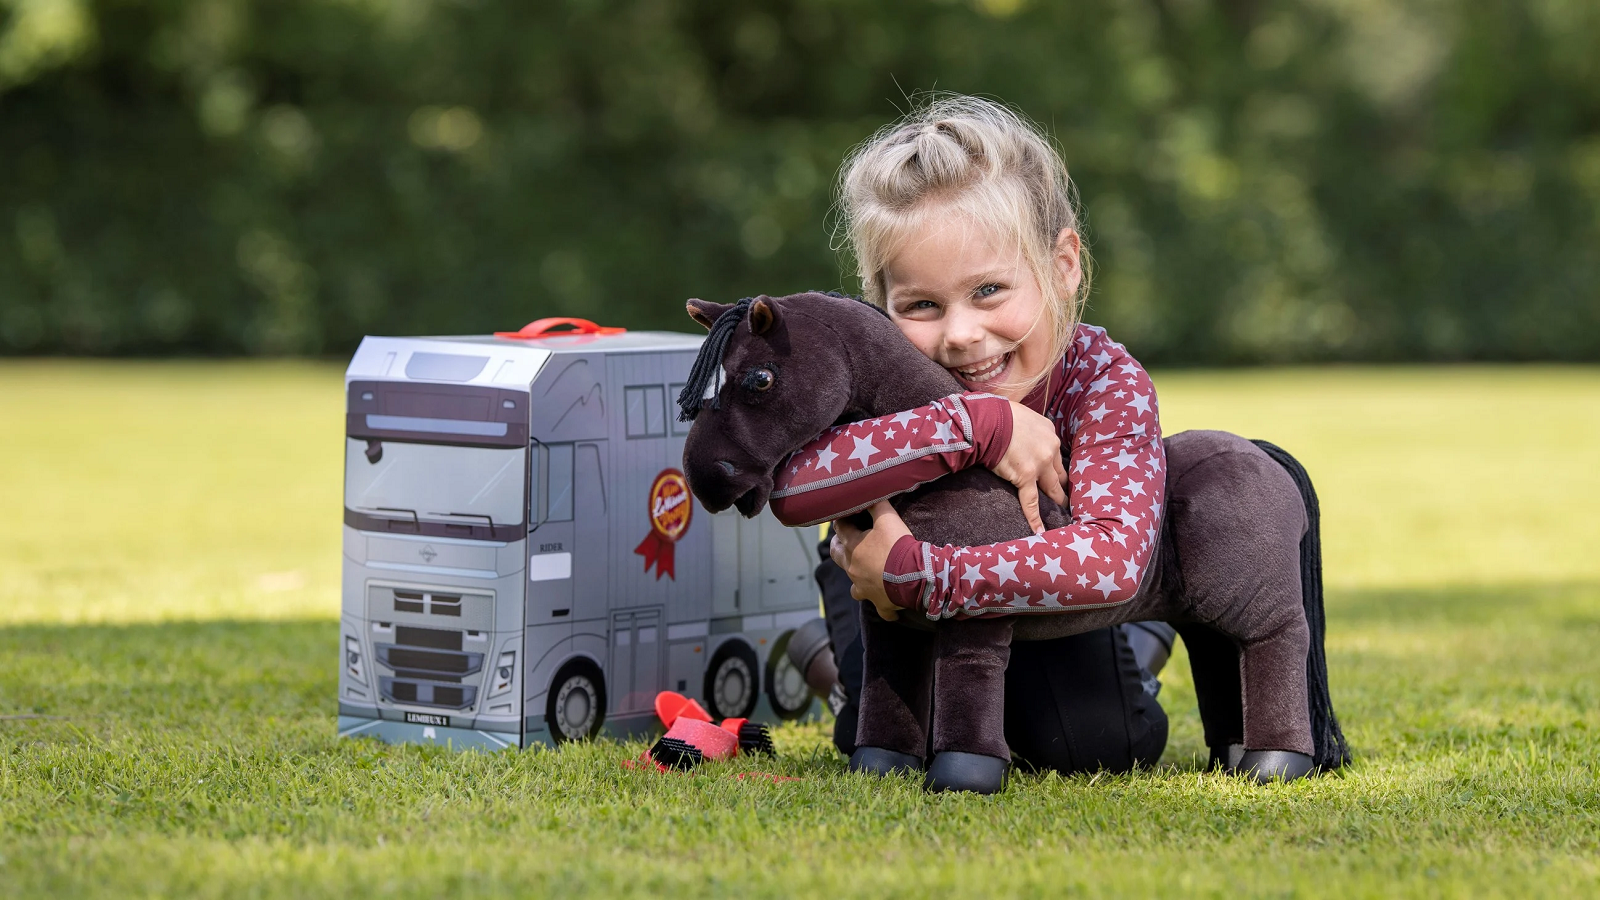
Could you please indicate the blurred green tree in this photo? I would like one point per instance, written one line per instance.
(1264, 180)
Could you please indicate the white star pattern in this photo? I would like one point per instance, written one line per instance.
(1107, 586)
(825, 458)
(1005, 570)
(1083, 545)
(864, 450)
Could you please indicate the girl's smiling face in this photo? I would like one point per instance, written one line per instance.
(973, 305)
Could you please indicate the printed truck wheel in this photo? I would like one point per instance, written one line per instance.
(787, 690)
(731, 682)
(577, 705)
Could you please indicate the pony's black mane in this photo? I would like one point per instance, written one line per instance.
(709, 362)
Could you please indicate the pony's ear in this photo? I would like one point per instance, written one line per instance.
(705, 312)
(763, 313)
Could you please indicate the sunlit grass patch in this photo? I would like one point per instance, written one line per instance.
(169, 569)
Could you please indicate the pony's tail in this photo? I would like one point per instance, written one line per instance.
(1330, 751)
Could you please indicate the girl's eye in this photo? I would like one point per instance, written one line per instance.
(760, 379)
(986, 290)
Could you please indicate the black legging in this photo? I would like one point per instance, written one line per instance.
(1073, 704)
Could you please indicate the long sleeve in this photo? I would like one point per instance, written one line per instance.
(1105, 408)
(850, 467)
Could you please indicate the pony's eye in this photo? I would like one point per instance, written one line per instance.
(760, 379)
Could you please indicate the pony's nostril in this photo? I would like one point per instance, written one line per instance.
(727, 467)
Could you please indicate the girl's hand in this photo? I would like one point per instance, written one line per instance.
(1033, 463)
(863, 554)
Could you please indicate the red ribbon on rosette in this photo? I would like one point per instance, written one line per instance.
(670, 510)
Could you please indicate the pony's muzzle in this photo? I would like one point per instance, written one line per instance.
(721, 483)
(752, 501)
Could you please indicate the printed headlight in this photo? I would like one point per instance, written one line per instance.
(505, 672)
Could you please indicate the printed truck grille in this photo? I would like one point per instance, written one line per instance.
(425, 608)
(426, 693)
(413, 660)
(432, 638)
(423, 602)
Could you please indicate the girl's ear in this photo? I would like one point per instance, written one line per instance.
(705, 312)
(1069, 259)
(762, 316)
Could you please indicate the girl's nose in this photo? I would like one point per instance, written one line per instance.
(963, 328)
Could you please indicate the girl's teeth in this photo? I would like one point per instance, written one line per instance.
(984, 371)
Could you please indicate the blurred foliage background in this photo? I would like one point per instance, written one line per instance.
(1265, 180)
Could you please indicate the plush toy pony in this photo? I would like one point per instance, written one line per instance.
(1236, 569)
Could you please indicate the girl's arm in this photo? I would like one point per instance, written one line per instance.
(850, 467)
(1117, 476)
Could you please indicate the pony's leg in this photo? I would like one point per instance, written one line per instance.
(969, 740)
(969, 665)
(896, 690)
(1272, 669)
(1237, 519)
(1214, 665)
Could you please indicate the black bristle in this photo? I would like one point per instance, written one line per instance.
(676, 754)
(755, 738)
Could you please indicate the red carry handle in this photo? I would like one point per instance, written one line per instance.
(542, 328)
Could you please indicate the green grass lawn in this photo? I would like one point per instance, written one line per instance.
(168, 642)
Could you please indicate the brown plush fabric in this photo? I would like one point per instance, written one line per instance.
(1228, 569)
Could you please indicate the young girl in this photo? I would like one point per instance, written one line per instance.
(963, 226)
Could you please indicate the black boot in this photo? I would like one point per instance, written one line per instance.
(1152, 647)
(810, 651)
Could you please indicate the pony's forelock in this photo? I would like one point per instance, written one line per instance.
(706, 375)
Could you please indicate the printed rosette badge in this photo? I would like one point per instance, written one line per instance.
(670, 509)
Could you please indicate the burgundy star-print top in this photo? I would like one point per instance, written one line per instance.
(1105, 411)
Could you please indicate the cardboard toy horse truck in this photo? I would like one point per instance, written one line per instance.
(523, 561)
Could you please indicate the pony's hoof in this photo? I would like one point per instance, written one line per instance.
(1274, 765)
(1225, 758)
(878, 761)
(953, 770)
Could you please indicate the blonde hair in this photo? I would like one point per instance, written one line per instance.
(966, 155)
